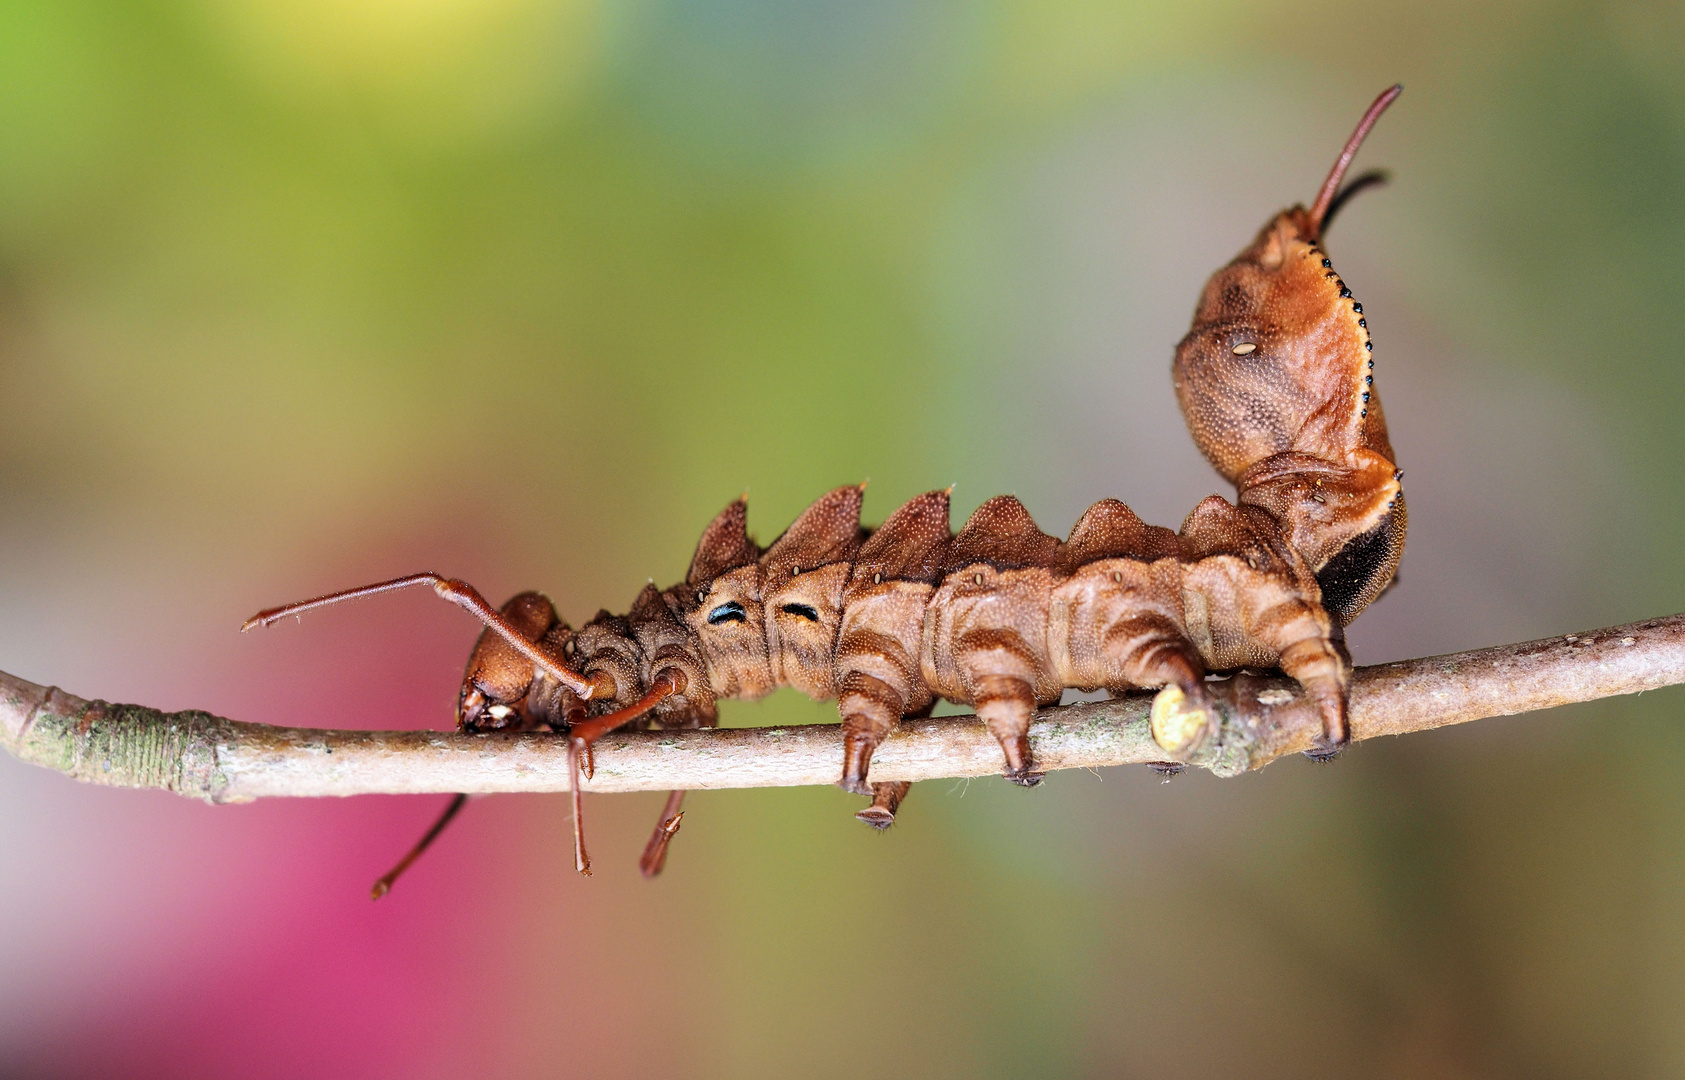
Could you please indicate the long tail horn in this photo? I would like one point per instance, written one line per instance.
(1325, 197)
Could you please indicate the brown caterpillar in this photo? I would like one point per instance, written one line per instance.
(1275, 382)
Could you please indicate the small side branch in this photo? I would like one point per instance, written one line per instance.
(207, 757)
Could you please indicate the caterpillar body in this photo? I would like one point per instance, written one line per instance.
(1275, 380)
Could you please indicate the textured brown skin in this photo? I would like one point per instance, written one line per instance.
(881, 635)
(1276, 383)
(802, 578)
(985, 630)
(495, 687)
(1117, 618)
(1296, 424)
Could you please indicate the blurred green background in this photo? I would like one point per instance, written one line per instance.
(298, 296)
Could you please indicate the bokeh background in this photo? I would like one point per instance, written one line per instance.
(298, 296)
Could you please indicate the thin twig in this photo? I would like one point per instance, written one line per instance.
(206, 757)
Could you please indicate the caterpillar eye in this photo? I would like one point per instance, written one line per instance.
(1244, 347)
(809, 613)
(731, 611)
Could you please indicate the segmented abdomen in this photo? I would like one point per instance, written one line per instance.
(1000, 617)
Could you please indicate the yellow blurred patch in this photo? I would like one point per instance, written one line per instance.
(439, 70)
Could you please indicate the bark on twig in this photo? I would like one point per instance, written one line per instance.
(206, 757)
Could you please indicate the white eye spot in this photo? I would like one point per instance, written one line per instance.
(1244, 347)
(977, 579)
(1117, 576)
(795, 571)
(501, 712)
(877, 579)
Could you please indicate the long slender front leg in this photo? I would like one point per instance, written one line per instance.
(581, 858)
(670, 683)
(655, 852)
(460, 593)
(384, 885)
(580, 737)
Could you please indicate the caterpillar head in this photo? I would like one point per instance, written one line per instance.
(497, 689)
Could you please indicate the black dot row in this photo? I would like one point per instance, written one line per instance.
(1368, 343)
